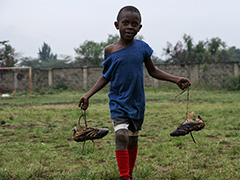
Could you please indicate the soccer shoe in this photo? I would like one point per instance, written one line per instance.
(189, 125)
(84, 134)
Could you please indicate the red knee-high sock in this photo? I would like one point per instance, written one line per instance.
(123, 163)
(132, 152)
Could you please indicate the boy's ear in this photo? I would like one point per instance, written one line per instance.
(116, 25)
(140, 26)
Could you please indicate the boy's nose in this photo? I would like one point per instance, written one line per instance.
(129, 26)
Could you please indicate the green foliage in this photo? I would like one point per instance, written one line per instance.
(45, 53)
(209, 51)
(56, 63)
(91, 53)
(7, 55)
(46, 59)
(234, 53)
(37, 63)
(110, 40)
(32, 62)
(231, 82)
(60, 86)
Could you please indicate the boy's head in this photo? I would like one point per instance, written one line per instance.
(128, 22)
(128, 9)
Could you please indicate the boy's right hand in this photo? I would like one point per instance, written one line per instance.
(183, 83)
(83, 103)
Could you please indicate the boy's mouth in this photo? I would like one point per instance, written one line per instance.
(129, 33)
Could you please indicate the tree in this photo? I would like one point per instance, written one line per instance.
(45, 53)
(32, 62)
(110, 40)
(217, 49)
(46, 59)
(175, 54)
(63, 62)
(89, 53)
(234, 54)
(7, 55)
(203, 52)
(57, 63)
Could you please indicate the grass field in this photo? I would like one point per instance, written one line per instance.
(36, 137)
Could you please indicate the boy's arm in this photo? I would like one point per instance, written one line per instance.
(161, 75)
(102, 82)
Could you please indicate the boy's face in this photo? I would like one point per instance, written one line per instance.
(129, 25)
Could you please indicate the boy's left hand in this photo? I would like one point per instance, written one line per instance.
(183, 83)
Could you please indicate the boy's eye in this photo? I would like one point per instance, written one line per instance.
(125, 23)
(134, 24)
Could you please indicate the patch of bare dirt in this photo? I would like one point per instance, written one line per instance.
(17, 126)
(41, 104)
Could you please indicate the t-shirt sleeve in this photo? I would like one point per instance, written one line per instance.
(108, 67)
(147, 51)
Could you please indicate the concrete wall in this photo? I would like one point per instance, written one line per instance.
(86, 77)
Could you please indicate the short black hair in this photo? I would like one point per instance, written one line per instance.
(130, 9)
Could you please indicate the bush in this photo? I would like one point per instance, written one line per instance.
(231, 83)
(60, 86)
(57, 88)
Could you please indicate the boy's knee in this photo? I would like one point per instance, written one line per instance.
(122, 135)
(121, 139)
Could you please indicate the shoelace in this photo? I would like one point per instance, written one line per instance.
(187, 89)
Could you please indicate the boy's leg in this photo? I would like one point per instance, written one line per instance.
(132, 152)
(121, 140)
(126, 139)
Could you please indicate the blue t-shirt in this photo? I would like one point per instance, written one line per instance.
(124, 69)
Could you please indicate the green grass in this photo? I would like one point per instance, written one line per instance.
(36, 140)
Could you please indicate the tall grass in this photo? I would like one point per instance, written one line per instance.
(36, 137)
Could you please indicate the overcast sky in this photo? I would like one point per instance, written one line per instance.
(65, 24)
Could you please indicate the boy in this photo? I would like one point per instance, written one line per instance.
(123, 68)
